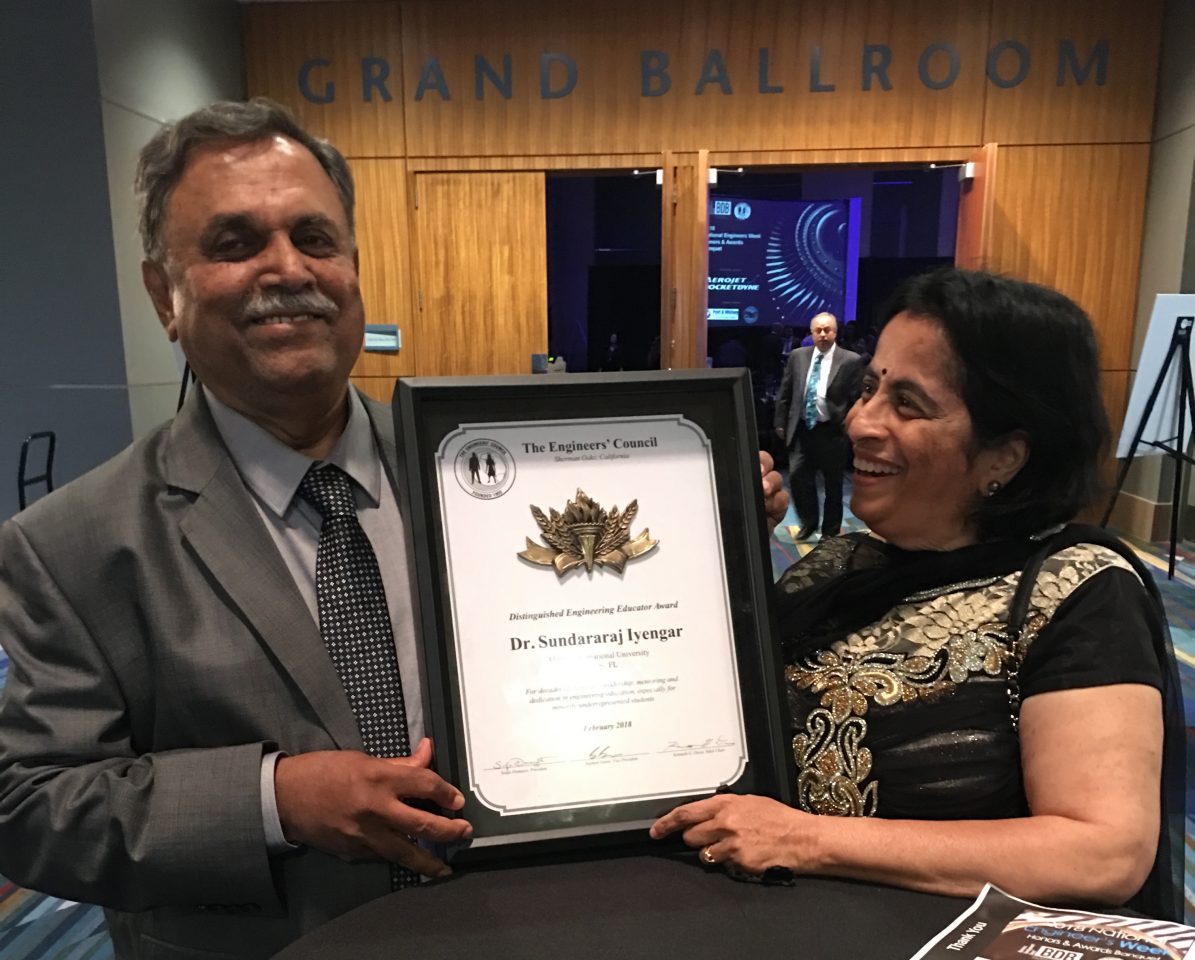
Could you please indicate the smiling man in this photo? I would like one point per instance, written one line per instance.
(213, 720)
(257, 277)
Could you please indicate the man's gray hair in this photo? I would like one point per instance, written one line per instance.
(163, 159)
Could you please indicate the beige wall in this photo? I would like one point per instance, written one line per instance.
(1168, 238)
(157, 61)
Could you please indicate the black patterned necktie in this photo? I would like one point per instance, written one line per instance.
(355, 623)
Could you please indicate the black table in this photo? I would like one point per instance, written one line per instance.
(631, 907)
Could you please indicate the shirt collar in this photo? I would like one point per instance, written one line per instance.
(273, 471)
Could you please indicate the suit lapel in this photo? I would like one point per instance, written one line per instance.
(842, 359)
(231, 542)
(835, 366)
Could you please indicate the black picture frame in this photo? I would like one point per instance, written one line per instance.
(426, 410)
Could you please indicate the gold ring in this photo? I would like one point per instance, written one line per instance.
(707, 857)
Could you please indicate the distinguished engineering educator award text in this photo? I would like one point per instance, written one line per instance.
(613, 679)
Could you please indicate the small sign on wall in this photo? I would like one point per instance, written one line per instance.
(382, 338)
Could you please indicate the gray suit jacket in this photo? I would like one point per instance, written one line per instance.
(159, 646)
(846, 375)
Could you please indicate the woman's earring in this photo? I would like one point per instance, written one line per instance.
(994, 488)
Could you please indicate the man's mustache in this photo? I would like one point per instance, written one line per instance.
(283, 303)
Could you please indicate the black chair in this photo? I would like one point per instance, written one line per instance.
(47, 476)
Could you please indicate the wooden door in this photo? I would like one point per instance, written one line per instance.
(483, 276)
(973, 245)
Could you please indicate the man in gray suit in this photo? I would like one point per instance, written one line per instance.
(175, 741)
(820, 384)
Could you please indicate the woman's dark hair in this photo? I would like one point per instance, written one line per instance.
(1026, 360)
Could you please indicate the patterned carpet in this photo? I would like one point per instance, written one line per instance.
(36, 927)
(33, 926)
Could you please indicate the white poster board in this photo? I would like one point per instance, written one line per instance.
(1163, 421)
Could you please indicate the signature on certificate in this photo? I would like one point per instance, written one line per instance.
(522, 763)
(604, 752)
(709, 743)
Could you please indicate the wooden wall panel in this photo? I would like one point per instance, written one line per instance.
(693, 181)
(1071, 217)
(384, 245)
(482, 252)
(685, 260)
(867, 156)
(580, 161)
(1039, 110)
(673, 353)
(606, 111)
(281, 37)
(977, 195)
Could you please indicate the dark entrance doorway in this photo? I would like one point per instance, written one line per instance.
(604, 270)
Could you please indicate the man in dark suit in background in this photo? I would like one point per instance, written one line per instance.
(820, 383)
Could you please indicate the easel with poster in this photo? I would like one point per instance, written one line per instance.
(1162, 409)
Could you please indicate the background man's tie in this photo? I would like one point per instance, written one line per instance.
(355, 623)
(811, 390)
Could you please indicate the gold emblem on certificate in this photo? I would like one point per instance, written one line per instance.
(586, 534)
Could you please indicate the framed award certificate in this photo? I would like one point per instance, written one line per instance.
(594, 590)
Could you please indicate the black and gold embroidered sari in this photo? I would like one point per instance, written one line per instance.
(898, 662)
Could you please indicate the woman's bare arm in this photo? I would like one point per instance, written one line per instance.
(1092, 765)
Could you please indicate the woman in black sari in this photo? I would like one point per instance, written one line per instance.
(951, 748)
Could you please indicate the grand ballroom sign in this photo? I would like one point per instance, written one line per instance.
(555, 75)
